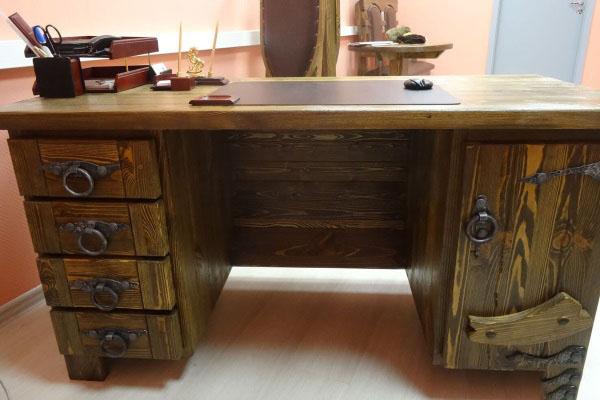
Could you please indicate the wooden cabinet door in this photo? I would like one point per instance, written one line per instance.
(547, 242)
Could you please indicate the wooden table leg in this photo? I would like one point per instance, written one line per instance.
(398, 66)
(363, 65)
(87, 368)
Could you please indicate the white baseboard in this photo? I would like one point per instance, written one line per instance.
(12, 51)
(20, 304)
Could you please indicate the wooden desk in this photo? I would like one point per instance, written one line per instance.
(398, 54)
(188, 191)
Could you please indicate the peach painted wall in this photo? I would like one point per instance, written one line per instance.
(591, 74)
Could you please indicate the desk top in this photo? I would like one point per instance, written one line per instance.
(486, 102)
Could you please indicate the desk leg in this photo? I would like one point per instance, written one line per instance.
(398, 66)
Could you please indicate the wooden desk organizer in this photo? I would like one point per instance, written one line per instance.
(58, 77)
(137, 75)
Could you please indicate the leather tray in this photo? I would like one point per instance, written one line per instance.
(363, 92)
(124, 47)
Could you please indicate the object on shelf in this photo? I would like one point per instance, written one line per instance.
(215, 100)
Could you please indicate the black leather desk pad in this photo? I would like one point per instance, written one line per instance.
(365, 92)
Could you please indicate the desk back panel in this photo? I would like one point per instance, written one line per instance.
(331, 199)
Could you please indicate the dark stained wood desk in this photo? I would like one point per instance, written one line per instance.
(139, 204)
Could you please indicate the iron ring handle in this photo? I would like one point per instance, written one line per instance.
(104, 288)
(99, 235)
(74, 170)
(113, 339)
(481, 216)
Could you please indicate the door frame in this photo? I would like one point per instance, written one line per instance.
(586, 27)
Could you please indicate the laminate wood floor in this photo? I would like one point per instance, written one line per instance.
(279, 334)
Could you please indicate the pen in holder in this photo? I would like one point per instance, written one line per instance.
(58, 77)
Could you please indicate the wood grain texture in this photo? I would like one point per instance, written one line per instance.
(156, 284)
(44, 234)
(149, 228)
(66, 330)
(54, 282)
(91, 320)
(196, 179)
(560, 317)
(136, 176)
(145, 233)
(546, 244)
(525, 101)
(434, 182)
(139, 167)
(165, 336)
(299, 247)
(154, 288)
(88, 368)
(27, 166)
(322, 198)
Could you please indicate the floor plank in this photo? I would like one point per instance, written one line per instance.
(276, 334)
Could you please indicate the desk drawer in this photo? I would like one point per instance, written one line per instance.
(107, 284)
(98, 229)
(118, 335)
(86, 168)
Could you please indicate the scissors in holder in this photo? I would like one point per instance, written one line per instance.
(49, 36)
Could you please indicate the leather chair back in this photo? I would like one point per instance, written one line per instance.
(290, 32)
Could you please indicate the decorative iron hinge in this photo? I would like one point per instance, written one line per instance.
(591, 170)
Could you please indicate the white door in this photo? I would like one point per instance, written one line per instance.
(546, 37)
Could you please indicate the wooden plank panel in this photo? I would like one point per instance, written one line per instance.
(121, 243)
(139, 348)
(101, 152)
(320, 247)
(324, 136)
(120, 270)
(321, 171)
(320, 201)
(54, 282)
(144, 234)
(165, 336)
(534, 255)
(28, 167)
(344, 151)
(44, 234)
(149, 228)
(197, 202)
(156, 279)
(139, 167)
(66, 330)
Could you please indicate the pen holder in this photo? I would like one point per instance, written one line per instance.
(58, 77)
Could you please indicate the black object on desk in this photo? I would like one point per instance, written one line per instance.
(58, 77)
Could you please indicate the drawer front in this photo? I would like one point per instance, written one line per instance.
(526, 280)
(86, 168)
(118, 335)
(107, 284)
(98, 229)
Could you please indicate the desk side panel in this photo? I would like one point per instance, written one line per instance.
(196, 182)
(434, 176)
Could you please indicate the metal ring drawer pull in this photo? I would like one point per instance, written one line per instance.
(483, 226)
(114, 342)
(89, 171)
(98, 229)
(78, 171)
(111, 287)
(101, 230)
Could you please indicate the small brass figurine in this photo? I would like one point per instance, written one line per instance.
(195, 63)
